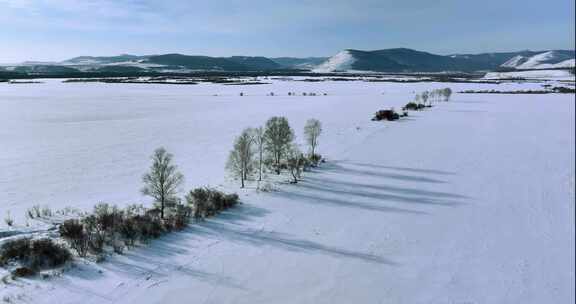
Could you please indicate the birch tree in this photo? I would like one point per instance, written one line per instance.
(278, 137)
(240, 160)
(424, 96)
(312, 131)
(447, 92)
(259, 141)
(294, 162)
(163, 180)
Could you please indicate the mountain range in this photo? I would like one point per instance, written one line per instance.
(408, 60)
(387, 60)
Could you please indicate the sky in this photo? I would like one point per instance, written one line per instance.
(53, 30)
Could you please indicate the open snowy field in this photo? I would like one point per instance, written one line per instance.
(471, 201)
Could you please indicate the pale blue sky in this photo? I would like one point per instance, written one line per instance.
(59, 29)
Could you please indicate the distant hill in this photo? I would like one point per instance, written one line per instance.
(196, 62)
(549, 59)
(259, 63)
(235, 63)
(386, 60)
(408, 60)
(299, 63)
(44, 69)
(92, 60)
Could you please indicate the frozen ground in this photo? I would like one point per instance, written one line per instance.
(535, 74)
(470, 202)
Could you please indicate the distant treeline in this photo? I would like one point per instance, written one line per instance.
(7, 75)
(552, 90)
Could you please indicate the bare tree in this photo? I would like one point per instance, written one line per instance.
(259, 141)
(433, 96)
(447, 92)
(163, 180)
(278, 137)
(424, 96)
(294, 161)
(312, 131)
(240, 161)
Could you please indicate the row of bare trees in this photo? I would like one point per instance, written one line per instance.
(433, 96)
(273, 148)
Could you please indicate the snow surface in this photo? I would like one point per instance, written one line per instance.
(514, 61)
(536, 60)
(340, 62)
(534, 74)
(570, 63)
(469, 202)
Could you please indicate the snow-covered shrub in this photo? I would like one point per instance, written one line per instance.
(197, 199)
(231, 200)
(296, 163)
(414, 106)
(315, 159)
(129, 231)
(45, 253)
(34, 254)
(9, 220)
(14, 250)
(73, 232)
(206, 202)
(267, 187)
(96, 236)
(46, 212)
(36, 210)
(180, 216)
(389, 115)
(23, 272)
(150, 225)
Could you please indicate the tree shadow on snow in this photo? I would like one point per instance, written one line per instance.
(411, 170)
(373, 194)
(331, 189)
(330, 183)
(336, 167)
(154, 260)
(220, 229)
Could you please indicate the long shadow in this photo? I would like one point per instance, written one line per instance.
(335, 167)
(468, 111)
(334, 202)
(469, 101)
(162, 269)
(412, 170)
(381, 196)
(152, 261)
(151, 258)
(275, 239)
(330, 183)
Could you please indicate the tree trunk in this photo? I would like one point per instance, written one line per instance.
(278, 164)
(260, 166)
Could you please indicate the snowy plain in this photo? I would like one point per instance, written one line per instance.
(535, 74)
(471, 201)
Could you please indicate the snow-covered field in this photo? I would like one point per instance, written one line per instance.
(535, 74)
(469, 202)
